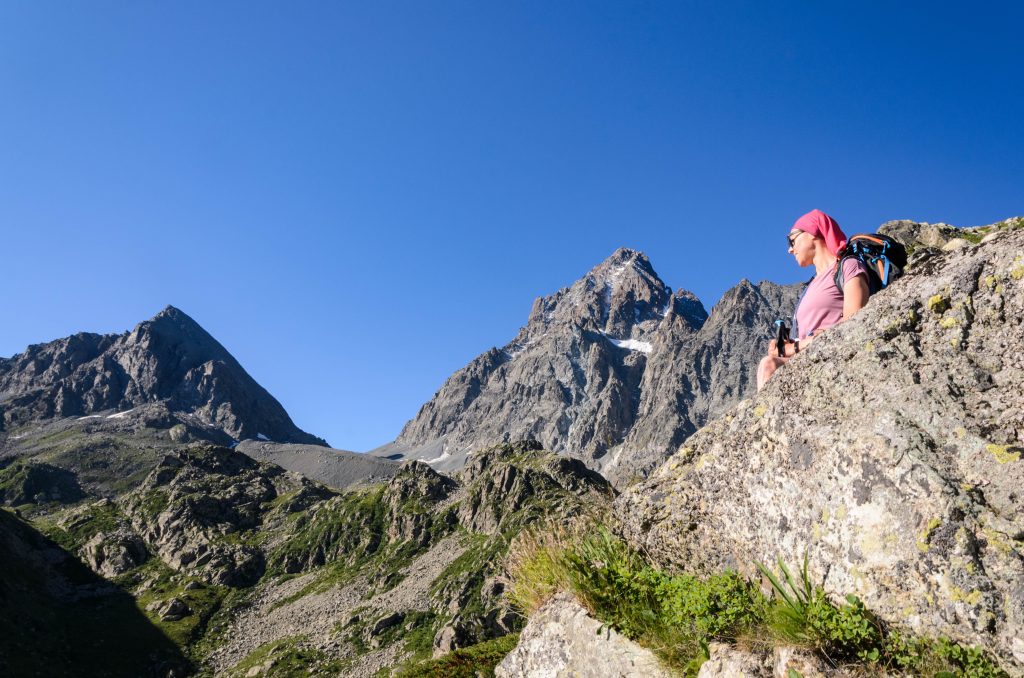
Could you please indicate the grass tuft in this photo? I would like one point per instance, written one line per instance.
(677, 616)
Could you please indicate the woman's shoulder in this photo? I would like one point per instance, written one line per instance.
(852, 267)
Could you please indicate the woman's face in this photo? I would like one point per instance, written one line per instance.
(801, 246)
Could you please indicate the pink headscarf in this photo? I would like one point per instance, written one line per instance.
(821, 225)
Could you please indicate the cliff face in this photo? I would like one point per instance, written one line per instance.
(617, 370)
(890, 451)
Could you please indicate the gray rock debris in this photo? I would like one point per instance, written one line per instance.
(561, 639)
(339, 469)
(890, 451)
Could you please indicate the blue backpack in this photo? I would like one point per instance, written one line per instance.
(884, 257)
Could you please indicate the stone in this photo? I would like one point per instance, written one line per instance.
(727, 661)
(790, 660)
(386, 622)
(111, 554)
(173, 610)
(562, 640)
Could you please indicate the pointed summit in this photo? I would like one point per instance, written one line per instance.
(622, 297)
(168, 359)
(570, 378)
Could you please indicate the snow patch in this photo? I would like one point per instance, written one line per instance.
(668, 304)
(260, 436)
(438, 460)
(19, 437)
(609, 285)
(120, 414)
(631, 344)
(91, 416)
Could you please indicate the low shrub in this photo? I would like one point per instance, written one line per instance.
(677, 616)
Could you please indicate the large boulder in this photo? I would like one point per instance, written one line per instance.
(889, 451)
(561, 639)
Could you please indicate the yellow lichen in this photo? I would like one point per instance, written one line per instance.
(1017, 273)
(998, 541)
(870, 346)
(841, 511)
(825, 515)
(874, 542)
(926, 534)
(760, 411)
(703, 460)
(990, 281)
(960, 432)
(947, 323)
(1004, 454)
(938, 304)
(912, 316)
(957, 594)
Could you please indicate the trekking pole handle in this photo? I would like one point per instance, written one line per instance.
(781, 337)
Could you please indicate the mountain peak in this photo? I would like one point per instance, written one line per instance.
(169, 358)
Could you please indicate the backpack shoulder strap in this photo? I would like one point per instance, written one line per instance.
(838, 277)
(796, 329)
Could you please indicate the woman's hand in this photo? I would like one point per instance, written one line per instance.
(789, 349)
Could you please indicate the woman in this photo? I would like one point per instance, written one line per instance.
(816, 239)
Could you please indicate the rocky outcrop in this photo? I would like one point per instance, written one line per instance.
(168, 358)
(890, 451)
(616, 370)
(501, 481)
(28, 481)
(195, 508)
(561, 639)
(113, 553)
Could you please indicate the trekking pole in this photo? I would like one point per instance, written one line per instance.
(781, 337)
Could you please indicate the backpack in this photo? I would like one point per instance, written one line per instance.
(884, 257)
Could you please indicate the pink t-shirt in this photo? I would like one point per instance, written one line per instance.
(822, 304)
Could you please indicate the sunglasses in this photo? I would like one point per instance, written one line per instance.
(791, 238)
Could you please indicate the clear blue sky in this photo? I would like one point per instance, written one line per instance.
(358, 198)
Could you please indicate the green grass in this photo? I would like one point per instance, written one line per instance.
(80, 525)
(470, 662)
(202, 599)
(677, 615)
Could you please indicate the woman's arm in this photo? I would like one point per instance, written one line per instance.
(855, 295)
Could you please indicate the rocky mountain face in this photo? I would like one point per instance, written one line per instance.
(168, 359)
(890, 452)
(616, 370)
